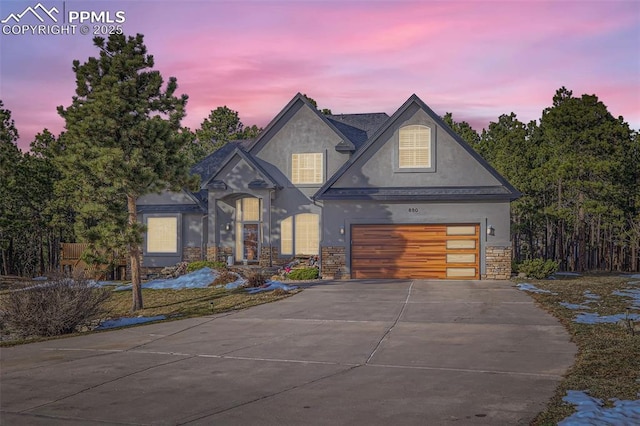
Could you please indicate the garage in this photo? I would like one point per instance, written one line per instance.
(449, 251)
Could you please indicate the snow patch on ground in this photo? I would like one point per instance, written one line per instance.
(271, 285)
(590, 295)
(574, 306)
(124, 322)
(532, 288)
(633, 293)
(590, 411)
(196, 279)
(201, 278)
(593, 318)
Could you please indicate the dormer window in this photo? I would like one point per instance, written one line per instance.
(414, 148)
(307, 168)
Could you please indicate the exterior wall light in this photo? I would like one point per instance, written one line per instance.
(227, 227)
(342, 230)
(491, 231)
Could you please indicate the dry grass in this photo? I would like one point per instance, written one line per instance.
(174, 304)
(608, 359)
(187, 302)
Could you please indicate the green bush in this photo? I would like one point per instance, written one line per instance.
(538, 268)
(194, 266)
(303, 274)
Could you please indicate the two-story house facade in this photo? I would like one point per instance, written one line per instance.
(371, 196)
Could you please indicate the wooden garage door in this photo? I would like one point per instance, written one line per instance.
(415, 251)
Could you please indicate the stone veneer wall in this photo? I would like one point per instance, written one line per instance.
(218, 254)
(191, 254)
(498, 263)
(334, 263)
(212, 253)
(268, 256)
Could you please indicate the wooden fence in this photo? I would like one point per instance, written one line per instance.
(71, 262)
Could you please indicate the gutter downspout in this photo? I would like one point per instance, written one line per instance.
(204, 236)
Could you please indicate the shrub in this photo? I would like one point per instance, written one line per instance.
(256, 279)
(225, 277)
(303, 274)
(194, 266)
(538, 268)
(54, 308)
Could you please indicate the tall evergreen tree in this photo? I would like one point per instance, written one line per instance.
(221, 126)
(463, 129)
(123, 139)
(588, 161)
(10, 156)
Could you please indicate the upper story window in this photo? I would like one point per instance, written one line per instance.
(414, 148)
(307, 168)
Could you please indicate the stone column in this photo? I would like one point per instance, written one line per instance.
(498, 263)
(334, 263)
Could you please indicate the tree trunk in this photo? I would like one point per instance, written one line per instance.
(134, 255)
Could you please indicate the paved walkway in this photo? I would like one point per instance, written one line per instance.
(338, 353)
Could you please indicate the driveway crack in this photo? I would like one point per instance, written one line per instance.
(404, 307)
(263, 397)
(26, 410)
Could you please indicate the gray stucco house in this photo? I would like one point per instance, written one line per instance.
(371, 196)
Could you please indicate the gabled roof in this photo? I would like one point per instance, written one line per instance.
(212, 163)
(326, 192)
(358, 127)
(267, 180)
(170, 208)
(430, 193)
(345, 144)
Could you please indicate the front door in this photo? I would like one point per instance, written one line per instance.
(250, 241)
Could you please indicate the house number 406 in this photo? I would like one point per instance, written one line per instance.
(413, 210)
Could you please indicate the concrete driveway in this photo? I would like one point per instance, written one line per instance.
(339, 353)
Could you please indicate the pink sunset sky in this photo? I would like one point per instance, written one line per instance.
(476, 59)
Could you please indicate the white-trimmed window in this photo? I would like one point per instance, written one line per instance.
(307, 168)
(162, 235)
(414, 148)
(248, 209)
(300, 235)
(286, 236)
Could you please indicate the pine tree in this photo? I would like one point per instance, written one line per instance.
(221, 126)
(123, 139)
(10, 156)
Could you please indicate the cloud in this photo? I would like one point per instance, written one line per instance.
(475, 59)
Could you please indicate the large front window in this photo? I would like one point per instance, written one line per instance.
(162, 234)
(414, 149)
(300, 234)
(306, 168)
